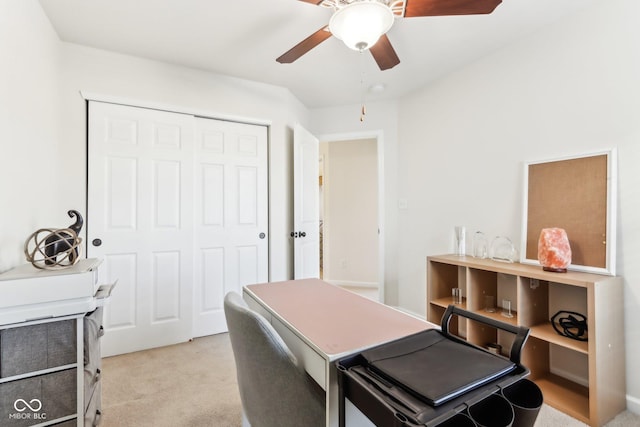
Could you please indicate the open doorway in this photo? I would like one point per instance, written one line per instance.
(349, 214)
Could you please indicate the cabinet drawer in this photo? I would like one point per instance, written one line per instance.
(42, 398)
(36, 347)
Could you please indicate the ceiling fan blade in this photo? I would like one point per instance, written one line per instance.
(316, 2)
(384, 54)
(415, 8)
(305, 46)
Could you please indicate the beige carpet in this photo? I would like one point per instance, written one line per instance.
(190, 384)
(194, 384)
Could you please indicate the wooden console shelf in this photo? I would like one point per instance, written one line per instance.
(585, 379)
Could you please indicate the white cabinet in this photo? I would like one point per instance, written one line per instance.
(50, 365)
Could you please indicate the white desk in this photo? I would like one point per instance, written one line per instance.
(322, 323)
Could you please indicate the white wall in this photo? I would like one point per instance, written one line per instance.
(350, 231)
(29, 184)
(44, 129)
(570, 89)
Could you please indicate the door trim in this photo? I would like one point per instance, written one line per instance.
(172, 108)
(378, 135)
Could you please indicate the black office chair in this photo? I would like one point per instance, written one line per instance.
(275, 390)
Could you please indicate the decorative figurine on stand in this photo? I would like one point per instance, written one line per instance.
(554, 251)
(49, 248)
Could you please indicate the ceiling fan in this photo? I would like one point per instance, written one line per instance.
(362, 24)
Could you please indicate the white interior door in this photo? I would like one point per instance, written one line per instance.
(140, 222)
(231, 224)
(306, 215)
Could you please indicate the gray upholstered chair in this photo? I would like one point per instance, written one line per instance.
(275, 391)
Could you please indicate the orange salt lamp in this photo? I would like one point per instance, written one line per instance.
(554, 252)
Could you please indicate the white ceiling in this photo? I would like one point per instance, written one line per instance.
(242, 38)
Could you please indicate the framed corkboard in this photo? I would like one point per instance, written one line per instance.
(577, 194)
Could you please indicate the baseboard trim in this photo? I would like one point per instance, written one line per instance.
(410, 313)
(633, 404)
(351, 283)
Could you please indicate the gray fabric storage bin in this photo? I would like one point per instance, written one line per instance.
(59, 393)
(56, 393)
(23, 350)
(32, 348)
(61, 343)
(27, 389)
(70, 423)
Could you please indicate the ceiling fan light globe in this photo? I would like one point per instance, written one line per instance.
(359, 25)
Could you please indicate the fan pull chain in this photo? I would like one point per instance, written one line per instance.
(363, 109)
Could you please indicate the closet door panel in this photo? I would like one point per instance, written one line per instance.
(231, 223)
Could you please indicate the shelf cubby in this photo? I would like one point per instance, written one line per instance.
(585, 379)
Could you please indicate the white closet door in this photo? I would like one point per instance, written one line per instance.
(231, 216)
(140, 207)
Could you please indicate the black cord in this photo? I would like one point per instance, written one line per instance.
(574, 325)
